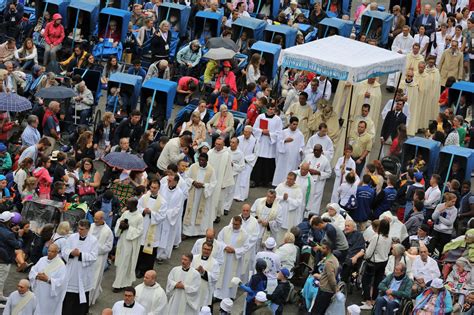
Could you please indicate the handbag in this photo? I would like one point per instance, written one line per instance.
(369, 262)
(86, 190)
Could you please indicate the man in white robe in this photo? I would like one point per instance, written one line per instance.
(364, 116)
(22, 301)
(153, 209)
(411, 90)
(128, 306)
(221, 160)
(247, 145)
(48, 282)
(105, 238)
(267, 211)
(251, 226)
(433, 79)
(151, 295)
(290, 199)
(80, 253)
(402, 44)
(209, 270)
(198, 213)
(217, 246)
(182, 288)
(306, 184)
(174, 196)
(303, 112)
(129, 230)
(266, 130)
(290, 147)
(320, 170)
(321, 137)
(236, 245)
(238, 165)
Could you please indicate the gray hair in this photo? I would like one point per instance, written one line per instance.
(223, 107)
(402, 265)
(352, 223)
(8, 63)
(63, 228)
(25, 282)
(398, 249)
(164, 22)
(32, 119)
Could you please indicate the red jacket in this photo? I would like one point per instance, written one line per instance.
(252, 114)
(53, 34)
(229, 81)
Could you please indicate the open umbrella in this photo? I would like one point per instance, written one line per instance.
(124, 161)
(222, 42)
(56, 92)
(220, 54)
(12, 102)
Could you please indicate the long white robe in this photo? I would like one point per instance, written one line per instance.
(49, 296)
(183, 301)
(306, 184)
(119, 308)
(105, 239)
(221, 161)
(251, 226)
(233, 262)
(128, 248)
(172, 221)
(80, 272)
(238, 165)
(266, 144)
(322, 165)
(402, 45)
(153, 298)
(197, 173)
(213, 269)
(289, 154)
(217, 249)
(359, 99)
(15, 298)
(412, 92)
(289, 207)
(325, 142)
(274, 217)
(432, 108)
(153, 222)
(341, 175)
(247, 146)
(303, 113)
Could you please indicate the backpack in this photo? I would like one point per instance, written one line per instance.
(351, 204)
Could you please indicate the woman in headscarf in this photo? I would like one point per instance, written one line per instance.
(334, 214)
(460, 280)
(433, 300)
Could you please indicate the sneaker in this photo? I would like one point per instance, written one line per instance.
(175, 246)
(366, 307)
(2, 306)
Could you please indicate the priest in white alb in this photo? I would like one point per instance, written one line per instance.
(320, 170)
(80, 253)
(247, 145)
(433, 79)
(251, 226)
(238, 165)
(174, 196)
(267, 211)
(209, 269)
(182, 288)
(411, 90)
(221, 160)
(307, 185)
(217, 246)
(290, 199)
(198, 214)
(290, 147)
(402, 44)
(105, 238)
(236, 245)
(303, 111)
(366, 92)
(48, 282)
(22, 301)
(320, 137)
(128, 306)
(129, 230)
(151, 295)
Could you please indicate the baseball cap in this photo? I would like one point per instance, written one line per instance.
(418, 176)
(226, 305)
(261, 296)
(6, 216)
(270, 243)
(285, 272)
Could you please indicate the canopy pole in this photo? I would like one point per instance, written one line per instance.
(116, 99)
(395, 93)
(326, 31)
(349, 115)
(168, 14)
(447, 176)
(75, 27)
(325, 85)
(368, 28)
(457, 103)
(150, 109)
(105, 34)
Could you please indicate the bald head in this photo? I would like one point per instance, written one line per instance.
(149, 279)
(210, 235)
(107, 311)
(304, 169)
(53, 251)
(246, 210)
(23, 286)
(99, 218)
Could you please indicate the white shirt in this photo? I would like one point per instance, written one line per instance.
(427, 270)
(432, 197)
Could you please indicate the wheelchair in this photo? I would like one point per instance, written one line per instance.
(405, 308)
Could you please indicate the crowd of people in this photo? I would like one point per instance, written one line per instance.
(403, 235)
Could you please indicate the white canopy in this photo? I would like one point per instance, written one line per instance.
(342, 58)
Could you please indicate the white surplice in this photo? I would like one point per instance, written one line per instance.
(266, 144)
(136, 309)
(20, 304)
(105, 239)
(153, 222)
(198, 174)
(221, 161)
(289, 207)
(274, 217)
(289, 154)
(128, 248)
(217, 249)
(49, 296)
(341, 175)
(322, 165)
(247, 146)
(209, 278)
(183, 301)
(325, 142)
(172, 222)
(251, 226)
(233, 262)
(306, 184)
(238, 165)
(153, 298)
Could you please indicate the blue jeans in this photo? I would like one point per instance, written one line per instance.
(380, 302)
(28, 65)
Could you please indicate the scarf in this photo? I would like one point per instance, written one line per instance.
(48, 113)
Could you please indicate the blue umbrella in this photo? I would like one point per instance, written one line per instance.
(12, 102)
(56, 92)
(124, 161)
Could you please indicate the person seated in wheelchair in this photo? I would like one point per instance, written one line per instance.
(395, 287)
(356, 250)
(435, 299)
(424, 270)
(110, 36)
(460, 281)
(332, 234)
(82, 103)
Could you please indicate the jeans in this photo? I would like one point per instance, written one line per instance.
(50, 53)
(27, 65)
(390, 306)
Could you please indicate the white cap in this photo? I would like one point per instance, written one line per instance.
(293, 2)
(437, 283)
(205, 310)
(353, 309)
(6, 216)
(261, 296)
(226, 305)
(270, 243)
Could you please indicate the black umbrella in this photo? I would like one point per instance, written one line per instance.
(124, 161)
(221, 42)
(56, 92)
